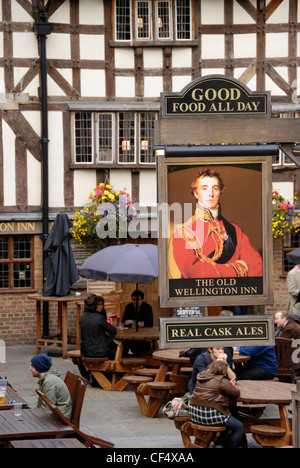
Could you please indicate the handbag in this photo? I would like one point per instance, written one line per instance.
(177, 407)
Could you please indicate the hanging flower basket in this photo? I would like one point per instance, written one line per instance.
(284, 218)
(104, 218)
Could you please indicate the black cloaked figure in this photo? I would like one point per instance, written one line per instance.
(60, 267)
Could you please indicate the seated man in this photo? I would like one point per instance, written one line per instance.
(288, 328)
(140, 312)
(262, 365)
(51, 385)
(204, 359)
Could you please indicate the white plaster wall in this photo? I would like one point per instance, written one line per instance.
(272, 86)
(84, 184)
(62, 14)
(1, 44)
(277, 44)
(148, 188)
(153, 86)
(125, 86)
(34, 119)
(179, 82)
(124, 58)
(244, 45)
(93, 83)
(91, 12)
(153, 58)
(19, 41)
(58, 46)
(121, 179)
(181, 57)
(212, 11)
(281, 14)
(18, 13)
(213, 47)
(53, 88)
(286, 189)
(240, 16)
(56, 160)
(251, 83)
(34, 183)
(9, 169)
(2, 85)
(91, 47)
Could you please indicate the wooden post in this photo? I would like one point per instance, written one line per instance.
(296, 416)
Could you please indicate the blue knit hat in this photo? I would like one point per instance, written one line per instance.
(41, 362)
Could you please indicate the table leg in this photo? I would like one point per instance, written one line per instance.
(119, 351)
(59, 322)
(38, 326)
(78, 314)
(162, 372)
(64, 330)
(285, 423)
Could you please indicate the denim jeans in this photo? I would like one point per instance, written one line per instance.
(236, 427)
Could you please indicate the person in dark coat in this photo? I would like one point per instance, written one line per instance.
(140, 312)
(94, 329)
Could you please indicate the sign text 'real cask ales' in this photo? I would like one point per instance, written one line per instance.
(216, 95)
(217, 331)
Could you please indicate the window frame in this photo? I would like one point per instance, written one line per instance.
(135, 139)
(11, 261)
(153, 23)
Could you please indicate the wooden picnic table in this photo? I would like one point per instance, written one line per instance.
(61, 341)
(11, 396)
(169, 358)
(34, 423)
(270, 392)
(121, 366)
(47, 443)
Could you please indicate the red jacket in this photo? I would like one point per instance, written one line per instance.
(197, 245)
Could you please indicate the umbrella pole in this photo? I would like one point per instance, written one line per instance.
(136, 309)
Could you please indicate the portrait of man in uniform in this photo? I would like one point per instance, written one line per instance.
(208, 245)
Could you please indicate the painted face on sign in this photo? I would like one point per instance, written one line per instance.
(208, 192)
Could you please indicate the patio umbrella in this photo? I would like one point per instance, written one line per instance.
(294, 256)
(127, 263)
(60, 267)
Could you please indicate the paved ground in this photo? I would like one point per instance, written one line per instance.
(110, 415)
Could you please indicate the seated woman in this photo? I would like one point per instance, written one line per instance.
(94, 329)
(209, 405)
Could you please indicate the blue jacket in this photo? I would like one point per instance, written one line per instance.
(263, 357)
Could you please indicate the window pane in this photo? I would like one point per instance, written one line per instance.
(22, 275)
(147, 137)
(21, 247)
(83, 137)
(163, 20)
(105, 137)
(126, 137)
(143, 20)
(4, 248)
(183, 19)
(123, 20)
(4, 276)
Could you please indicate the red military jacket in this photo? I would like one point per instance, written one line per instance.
(198, 249)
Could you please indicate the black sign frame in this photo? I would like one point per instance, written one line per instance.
(216, 331)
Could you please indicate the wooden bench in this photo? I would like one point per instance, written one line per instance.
(97, 366)
(134, 382)
(146, 372)
(203, 435)
(266, 435)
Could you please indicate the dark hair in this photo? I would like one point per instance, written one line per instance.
(138, 293)
(206, 173)
(91, 303)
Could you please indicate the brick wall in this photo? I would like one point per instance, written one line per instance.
(279, 282)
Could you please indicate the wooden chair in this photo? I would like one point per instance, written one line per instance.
(286, 367)
(100, 287)
(76, 386)
(113, 305)
(87, 440)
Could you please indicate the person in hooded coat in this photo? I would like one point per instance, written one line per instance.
(95, 330)
(211, 400)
